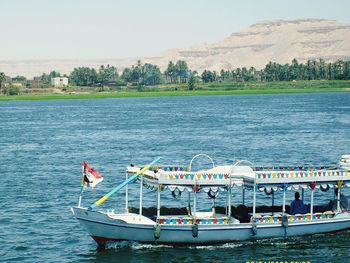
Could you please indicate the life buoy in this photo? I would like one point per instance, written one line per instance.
(324, 189)
(212, 194)
(312, 185)
(195, 230)
(196, 188)
(268, 192)
(157, 231)
(176, 193)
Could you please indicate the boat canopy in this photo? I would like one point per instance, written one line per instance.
(265, 178)
(302, 178)
(214, 179)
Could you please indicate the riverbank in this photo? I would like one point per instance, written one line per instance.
(202, 89)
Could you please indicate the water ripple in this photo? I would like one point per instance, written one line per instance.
(42, 144)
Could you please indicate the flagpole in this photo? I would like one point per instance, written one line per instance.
(82, 188)
(81, 195)
(131, 179)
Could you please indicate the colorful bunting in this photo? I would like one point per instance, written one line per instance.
(292, 218)
(189, 221)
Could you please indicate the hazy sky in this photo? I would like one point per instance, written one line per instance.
(84, 29)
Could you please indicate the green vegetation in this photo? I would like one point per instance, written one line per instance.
(209, 76)
(107, 74)
(2, 79)
(142, 74)
(83, 76)
(192, 82)
(178, 72)
(203, 89)
(142, 80)
(19, 78)
(311, 70)
(11, 90)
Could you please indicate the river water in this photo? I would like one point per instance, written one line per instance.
(42, 145)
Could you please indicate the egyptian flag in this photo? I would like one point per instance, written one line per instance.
(91, 177)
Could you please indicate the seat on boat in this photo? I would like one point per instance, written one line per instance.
(212, 215)
(204, 214)
(328, 212)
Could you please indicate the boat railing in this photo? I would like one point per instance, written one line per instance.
(187, 220)
(278, 218)
(201, 155)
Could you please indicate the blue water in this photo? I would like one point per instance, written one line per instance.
(42, 145)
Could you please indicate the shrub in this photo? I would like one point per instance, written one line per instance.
(10, 91)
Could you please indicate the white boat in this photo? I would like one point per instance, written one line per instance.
(194, 227)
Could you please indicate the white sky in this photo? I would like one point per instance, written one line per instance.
(86, 29)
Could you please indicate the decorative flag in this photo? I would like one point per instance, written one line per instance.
(91, 177)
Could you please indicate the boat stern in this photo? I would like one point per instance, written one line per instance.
(110, 226)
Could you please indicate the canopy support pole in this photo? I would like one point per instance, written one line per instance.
(189, 203)
(312, 203)
(254, 199)
(284, 199)
(229, 201)
(273, 201)
(126, 195)
(243, 195)
(213, 206)
(338, 200)
(194, 205)
(141, 190)
(158, 201)
(302, 194)
(226, 207)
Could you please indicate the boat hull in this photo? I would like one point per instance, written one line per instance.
(103, 228)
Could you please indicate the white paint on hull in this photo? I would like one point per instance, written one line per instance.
(102, 226)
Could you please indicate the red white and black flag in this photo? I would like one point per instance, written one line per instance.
(91, 177)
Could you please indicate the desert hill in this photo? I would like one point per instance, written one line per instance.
(279, 41)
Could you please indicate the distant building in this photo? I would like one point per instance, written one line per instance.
(59, 82)
(13, 82)
(35, 83)
(18, 84)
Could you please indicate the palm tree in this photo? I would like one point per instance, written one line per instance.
(2, 78)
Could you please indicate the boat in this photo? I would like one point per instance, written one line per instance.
(190, 226)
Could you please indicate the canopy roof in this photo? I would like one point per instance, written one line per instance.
(273, 177)
(301, 176)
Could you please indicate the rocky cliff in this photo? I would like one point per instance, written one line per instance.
(279, 41)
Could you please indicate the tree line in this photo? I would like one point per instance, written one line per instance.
(179, 72)
(311, 70)
(139, 75)
(148, 74)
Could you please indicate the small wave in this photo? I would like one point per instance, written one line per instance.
(21, 248)
(221, 246)
(132, 245)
